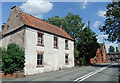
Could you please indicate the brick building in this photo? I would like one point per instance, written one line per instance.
(101, 56)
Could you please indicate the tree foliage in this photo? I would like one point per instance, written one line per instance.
(85, 40)
(117, 49)
(112, 22)
(87, 44)
(12, 59)
(111, 49)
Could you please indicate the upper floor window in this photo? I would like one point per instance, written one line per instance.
(66, 59)
(40, 39)
(66, 44)
(56, 42)
(40, 59)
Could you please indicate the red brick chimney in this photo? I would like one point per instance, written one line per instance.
(3, 26)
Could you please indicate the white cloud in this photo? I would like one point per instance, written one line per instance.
(101, 38)
(105, 36)
(84, 4)
(36, 7)
(101, 13)
(97, 24)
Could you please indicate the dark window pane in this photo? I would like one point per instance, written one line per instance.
(38, 62)
(38, 56)
(66, 43)
(41, 56)
(39, 59)
(40, 38)
(55, 42)
(66, 56)
(66, 59)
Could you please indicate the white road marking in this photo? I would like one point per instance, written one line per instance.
(90, 74)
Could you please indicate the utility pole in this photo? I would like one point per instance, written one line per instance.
(89, 24)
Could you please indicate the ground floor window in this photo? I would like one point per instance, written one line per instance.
(40, 59)
(66, 59)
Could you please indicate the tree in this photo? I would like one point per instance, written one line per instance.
(111, 49)
(87, 45)
(117, 49)
(12, 59)
(112, 22)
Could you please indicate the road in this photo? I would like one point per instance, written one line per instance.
(104, 73)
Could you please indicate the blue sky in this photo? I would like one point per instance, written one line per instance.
(89, 11)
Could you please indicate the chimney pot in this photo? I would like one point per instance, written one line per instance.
(15, 7)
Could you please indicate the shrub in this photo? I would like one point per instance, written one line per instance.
(12, 59)
(82, 60)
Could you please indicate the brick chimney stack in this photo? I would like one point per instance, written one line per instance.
(3, 26)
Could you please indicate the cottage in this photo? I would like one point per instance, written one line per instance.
(47, 47)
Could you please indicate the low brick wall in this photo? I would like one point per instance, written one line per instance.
(17, 74)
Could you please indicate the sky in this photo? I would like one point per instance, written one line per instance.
(88, 11)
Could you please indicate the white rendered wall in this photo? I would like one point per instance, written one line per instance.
(54, 59)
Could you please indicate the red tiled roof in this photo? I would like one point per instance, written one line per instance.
(42, 25)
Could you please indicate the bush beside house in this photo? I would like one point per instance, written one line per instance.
(12, 59)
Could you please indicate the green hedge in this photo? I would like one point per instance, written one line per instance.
(13, 59)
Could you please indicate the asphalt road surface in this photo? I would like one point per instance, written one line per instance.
(100, 73)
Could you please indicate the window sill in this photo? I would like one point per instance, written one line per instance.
(40, 45)
(56, 47)
(40, 66)
(67, 64)
(66, 49)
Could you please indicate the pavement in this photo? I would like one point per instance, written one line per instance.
(101, 73)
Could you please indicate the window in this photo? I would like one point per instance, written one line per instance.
(40, 39)
(66, 44)
(40, 59)
(66, 59)
(56, 42)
